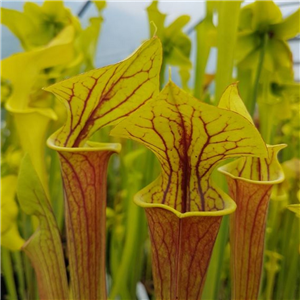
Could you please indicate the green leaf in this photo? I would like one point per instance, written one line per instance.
(155, 16)
(265, 13)
(281, 55)
(100, 5)
(176, 44)
(251, 60)
(295, 208)
(38, 25)
(185, 77)
(59, 51)
(55, 10)
(21, 29)
(176, 27)
(246, 44)
(87, 41)
(10, 236)
(231, 100)
(44, 248)
(264, 42)
(246, 16)
(179, 59)
(226, 43)
(206, 38)
(50, 19)
(32, 117)
(288, 28)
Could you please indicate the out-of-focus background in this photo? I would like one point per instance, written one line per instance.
(126, 25)
(268, 90)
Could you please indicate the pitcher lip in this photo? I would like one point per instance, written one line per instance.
(231, 207)
(88, 147)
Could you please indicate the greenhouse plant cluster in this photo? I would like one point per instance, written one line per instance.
(153, 177)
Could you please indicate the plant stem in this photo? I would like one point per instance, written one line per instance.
(266, 113)
(55, 186)
(202, 54)
(270, 285)
(284, 251)
(20, 273)
(28, 270)
(162, 74)
(274, 222)
(290, 283)
(129, 249)
(245, 78)
(8, 273)
(134, 241)
(213, 280)
(258, 73)
(226, 42)
(203, 44)
(272, 267)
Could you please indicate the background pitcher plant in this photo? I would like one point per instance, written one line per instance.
(250, 181)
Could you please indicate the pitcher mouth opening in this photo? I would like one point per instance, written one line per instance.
(89, 146)
(230, 207)
(279, 179)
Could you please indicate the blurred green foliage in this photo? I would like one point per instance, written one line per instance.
(252, 45)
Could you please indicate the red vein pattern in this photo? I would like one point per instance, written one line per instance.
(181, 251)
(96, 99)
(250, 181)
(46, 256)
(183, 206)
(247, 233)
(189, 138)
(104, 96)
(84, 178)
